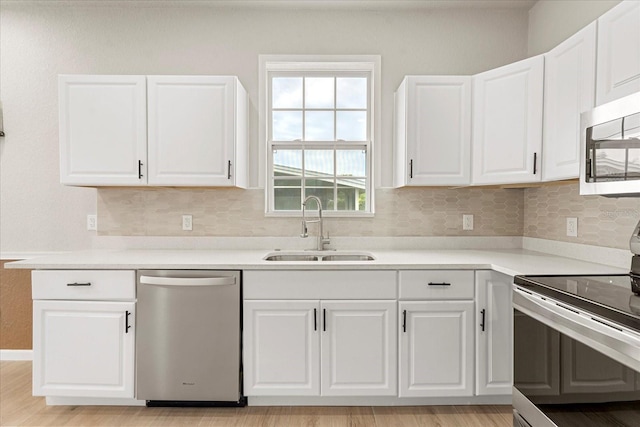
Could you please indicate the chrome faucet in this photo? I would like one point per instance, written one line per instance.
(321, 239)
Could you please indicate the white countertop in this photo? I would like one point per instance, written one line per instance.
(508, 261)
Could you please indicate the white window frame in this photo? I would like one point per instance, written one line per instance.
(339, 64)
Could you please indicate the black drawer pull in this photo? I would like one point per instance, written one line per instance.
(404, 320)
(315, 319)
(324, 319)
(439, 284)
(140, 169)
(483, 312)
(79, 284)
(127, 326)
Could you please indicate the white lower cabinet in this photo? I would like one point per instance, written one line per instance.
(436, 348)
(358, 348)
(311, 348)
(281, 348)
(494, 332)
(83, 348)
(84, 333)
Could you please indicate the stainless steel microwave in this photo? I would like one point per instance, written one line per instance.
(610, 148)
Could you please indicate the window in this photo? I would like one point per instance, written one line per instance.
(319, 131)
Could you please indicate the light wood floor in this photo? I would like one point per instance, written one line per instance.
(19, 408)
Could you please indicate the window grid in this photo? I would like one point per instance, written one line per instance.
(333, 145)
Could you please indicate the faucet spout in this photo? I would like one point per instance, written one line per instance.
(322, 241)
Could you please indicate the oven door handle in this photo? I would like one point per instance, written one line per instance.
(619, 345)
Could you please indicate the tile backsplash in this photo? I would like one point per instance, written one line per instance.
(424, 212)
(235, 212)
(602, 221)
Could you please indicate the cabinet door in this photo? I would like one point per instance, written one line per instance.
(436, 348)
(579, 375)
(507, 123)
(569, 89)
(536, 360)
(618, 52)
(83, 348)
(103, 130)
(192, 130)
(281, 348)
(435, 126)
(494, 331)
(359, 348)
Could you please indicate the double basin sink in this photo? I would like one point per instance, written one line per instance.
(292, 256)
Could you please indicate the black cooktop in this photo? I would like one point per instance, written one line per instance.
(607, 296)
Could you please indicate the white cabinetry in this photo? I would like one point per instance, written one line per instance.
(569, 89)
(328, 345)
(507, 123)
(359, 348)
(197, 130)
(103, 129)
(618, 67)
(494, 326)
(433, 131)
(83, 347)
(281, 348)
(437, 335)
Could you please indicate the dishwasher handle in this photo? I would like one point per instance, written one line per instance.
(188, 281)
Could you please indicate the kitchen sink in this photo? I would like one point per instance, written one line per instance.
(318, 256)
(291, 257)
(348, 257)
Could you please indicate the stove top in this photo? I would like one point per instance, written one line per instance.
(608, 296)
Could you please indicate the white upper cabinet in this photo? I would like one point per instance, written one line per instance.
(197, 131)
(433, 131)
(569, 89)
(618, 52)
(103, 129)
(507, 123)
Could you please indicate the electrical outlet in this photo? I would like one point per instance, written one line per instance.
(187, 222)
(572, 227)
(467, 222)
(92, 222)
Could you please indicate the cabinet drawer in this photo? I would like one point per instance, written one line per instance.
(84, 284)
(436, 284)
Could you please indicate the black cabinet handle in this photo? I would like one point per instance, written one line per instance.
(126, 322)
(535, 163)
(411, 168)
(482, 312)
(229, 169)
(140, 169)
(404, 320)
(315, 319)
(439, 284)
(324, 319)
(79, 284)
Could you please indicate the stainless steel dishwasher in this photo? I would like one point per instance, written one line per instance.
(188, 338)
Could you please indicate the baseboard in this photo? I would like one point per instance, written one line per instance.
(375, 401)
(16, 355)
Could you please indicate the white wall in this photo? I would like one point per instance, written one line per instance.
(552, 21)
(39, 40)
